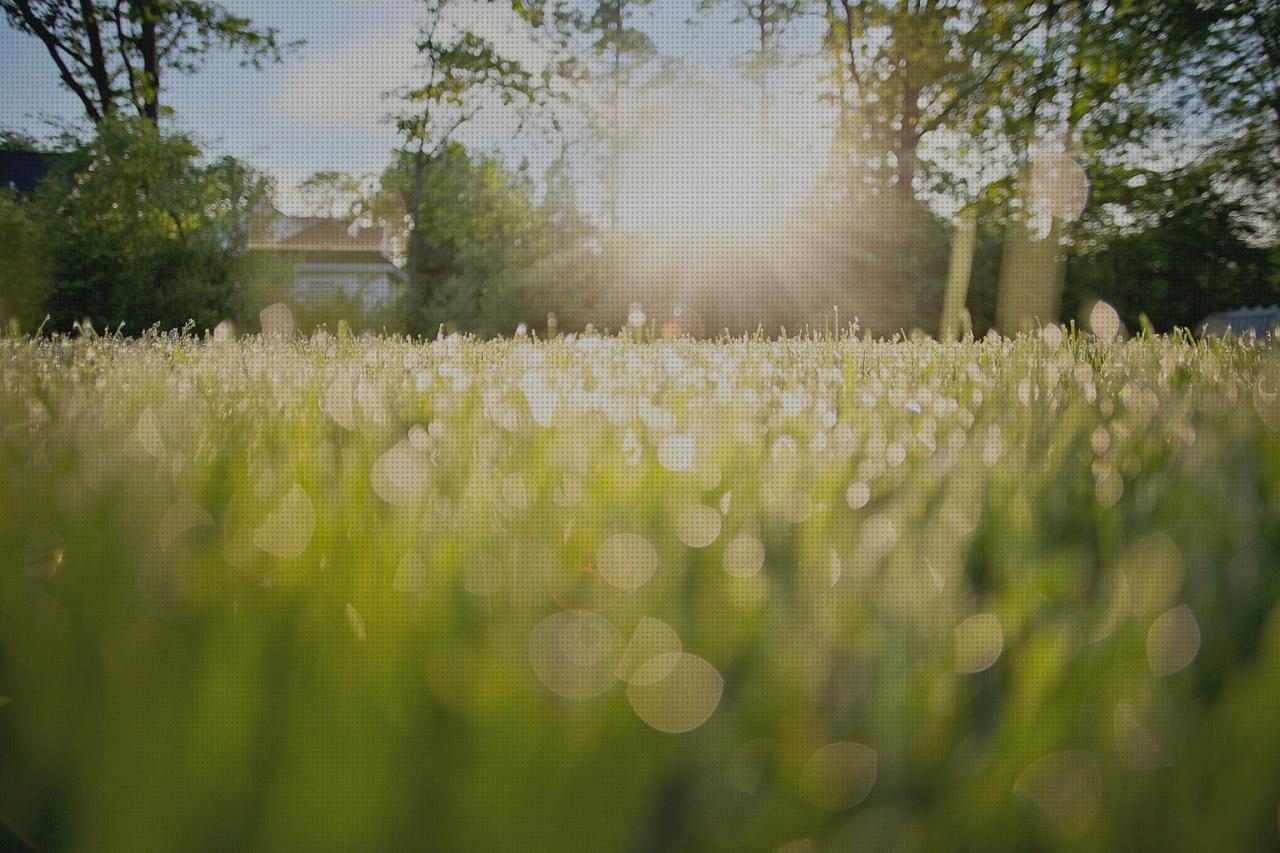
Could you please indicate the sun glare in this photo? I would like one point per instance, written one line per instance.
(705, 166)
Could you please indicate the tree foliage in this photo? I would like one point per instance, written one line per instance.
(482, 239)
(1192, 256)
(140, 232)
(1236, 69)
(113, 55)
(461, 70)
(26, 270)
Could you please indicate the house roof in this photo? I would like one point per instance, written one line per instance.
(24, 170)
(318, 234)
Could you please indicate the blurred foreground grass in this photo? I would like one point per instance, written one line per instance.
(596, 595)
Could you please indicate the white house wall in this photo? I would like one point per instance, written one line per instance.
(315, 284)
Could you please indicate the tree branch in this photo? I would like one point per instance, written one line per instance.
(130, 75)
(848, 42)
(934, 122)
(36, 26)
(98, 59)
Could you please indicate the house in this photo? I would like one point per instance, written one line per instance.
(326, 260)
(1261, 321)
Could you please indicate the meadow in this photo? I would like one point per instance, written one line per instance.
(612, 594)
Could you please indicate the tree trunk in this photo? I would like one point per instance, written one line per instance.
(615, 132)
(959, 271)
(908, 139)
(1031, 277)
(1028, 265)
(764, 74)
(415, 219)
(149, 47)
(97, 58)
(843, 149)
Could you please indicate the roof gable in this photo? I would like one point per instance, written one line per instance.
(315, 234)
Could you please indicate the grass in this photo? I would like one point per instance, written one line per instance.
(603, 595)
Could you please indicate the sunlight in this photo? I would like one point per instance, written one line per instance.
(704, 167)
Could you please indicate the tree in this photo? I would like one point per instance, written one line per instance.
(460, 69)
(484, 243)
(1056, 83)
(1236, 69)
(26, 268)
(114, 54)
(769, 18)
(903, 73)
(905, 70)
(625, 50)
(1087, 94)
(14, 140)
(1191, 250)
(140, 232)
(331, 194)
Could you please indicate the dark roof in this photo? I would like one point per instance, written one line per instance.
(24, 170)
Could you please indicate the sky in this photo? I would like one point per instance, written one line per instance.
(323, 107)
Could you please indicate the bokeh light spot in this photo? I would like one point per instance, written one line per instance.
(653, 640)
(698, 526)
(1066, 787)
(571, 654)
(744, 557)
(839, 775)
(626, 561)
(683, 699)
(286, 533)
(978, 642)
(1173, 641)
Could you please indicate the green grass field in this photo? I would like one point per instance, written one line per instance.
(602, 595)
